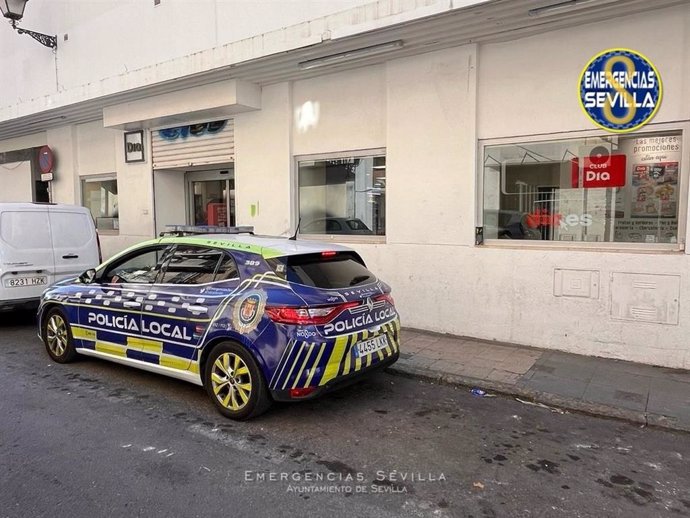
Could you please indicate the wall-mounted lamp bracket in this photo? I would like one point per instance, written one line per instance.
(43, 39)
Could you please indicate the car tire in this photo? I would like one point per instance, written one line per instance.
(234, 382)
(57, 336)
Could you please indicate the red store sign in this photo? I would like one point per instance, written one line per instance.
(598, 172)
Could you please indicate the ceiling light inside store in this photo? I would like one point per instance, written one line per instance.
(350, 55)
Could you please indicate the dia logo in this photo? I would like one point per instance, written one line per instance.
(591, 176)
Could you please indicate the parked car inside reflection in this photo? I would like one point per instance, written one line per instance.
(508, 224)
(336, 226)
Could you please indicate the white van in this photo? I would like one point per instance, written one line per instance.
(41, 244)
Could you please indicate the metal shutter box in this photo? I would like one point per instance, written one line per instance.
(192, 145)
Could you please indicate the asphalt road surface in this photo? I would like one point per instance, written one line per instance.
(98, 439)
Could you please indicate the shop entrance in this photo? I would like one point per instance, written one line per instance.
(211, 197)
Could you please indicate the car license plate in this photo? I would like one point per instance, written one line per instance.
(371, 346)
(20, 282)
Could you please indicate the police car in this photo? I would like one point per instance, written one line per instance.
(252, 319)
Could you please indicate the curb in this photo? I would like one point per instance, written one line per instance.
(511, 390)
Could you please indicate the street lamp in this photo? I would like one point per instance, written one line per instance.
(13, 10)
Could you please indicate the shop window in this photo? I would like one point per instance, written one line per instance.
(99, 195)
(343, 196)
(615, 189)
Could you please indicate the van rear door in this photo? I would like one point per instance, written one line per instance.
(26, 252)
(75, 245)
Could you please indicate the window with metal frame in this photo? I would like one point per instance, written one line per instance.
(598, 189)
(344, 195)
(99, 195)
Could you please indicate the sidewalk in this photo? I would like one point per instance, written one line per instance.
(640, 393)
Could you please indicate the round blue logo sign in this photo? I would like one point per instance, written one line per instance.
(620, 90)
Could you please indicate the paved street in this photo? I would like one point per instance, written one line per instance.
(98, 439)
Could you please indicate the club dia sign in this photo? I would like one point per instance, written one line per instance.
(620, 90)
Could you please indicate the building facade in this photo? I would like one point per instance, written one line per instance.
(444, 140)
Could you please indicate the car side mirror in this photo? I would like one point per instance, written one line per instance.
(88, 276)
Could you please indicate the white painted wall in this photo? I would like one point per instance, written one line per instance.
(96, 148)
(349, 112)
(65, 187)
(15, 177)
(507, 295)
(529, 86)
(13, 144)
(106, 46)
(15, 181)
(107, 38)
(263, 163)
(135, 196)
(431, 148)
(169, 196)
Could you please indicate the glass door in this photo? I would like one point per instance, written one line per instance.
(211, 198)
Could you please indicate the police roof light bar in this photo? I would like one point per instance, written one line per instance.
(206, 229)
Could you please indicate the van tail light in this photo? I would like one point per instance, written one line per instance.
(307, 316)
(385, 296)
(98, 242)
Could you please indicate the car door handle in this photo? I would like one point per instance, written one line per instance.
(131, 304)
(70, 256)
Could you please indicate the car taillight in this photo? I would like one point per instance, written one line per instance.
(307, 316)
(385, 296)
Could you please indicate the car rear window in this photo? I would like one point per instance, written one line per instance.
(325, 270)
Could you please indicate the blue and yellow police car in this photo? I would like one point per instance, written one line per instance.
(252, 319)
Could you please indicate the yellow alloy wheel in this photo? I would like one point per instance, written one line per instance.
(231, 381)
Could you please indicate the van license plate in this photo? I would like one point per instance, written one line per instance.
(371, 346)
(26, 281)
